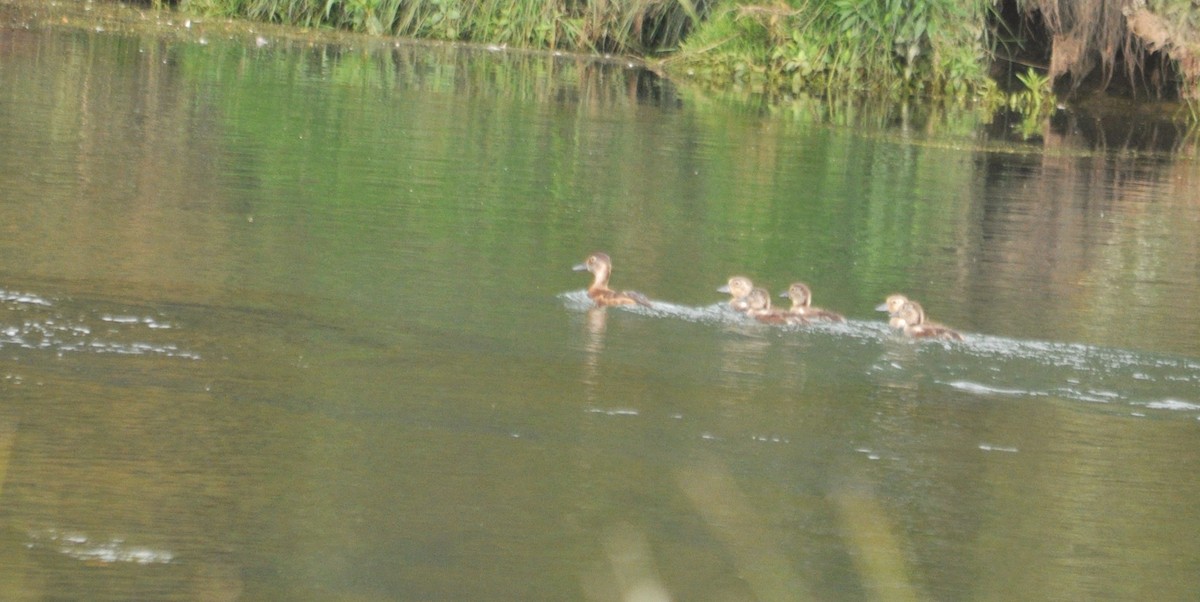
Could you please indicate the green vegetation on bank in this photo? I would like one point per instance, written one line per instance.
(934, 49)
(895, 47)
(879, 47)
(637, 27)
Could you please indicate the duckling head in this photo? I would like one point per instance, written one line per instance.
(738, 287)
(800, 294)
(893, 304)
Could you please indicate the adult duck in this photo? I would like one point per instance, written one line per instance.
(600, 265)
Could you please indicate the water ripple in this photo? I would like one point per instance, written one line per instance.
(998, 448)
(81, 547)
(44, 327)
(980, 389)
(1173, 404)
(25, 298)
(985, 365)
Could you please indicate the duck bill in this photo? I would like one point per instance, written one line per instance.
(881, 307)
(785, 294)
(579, 268)
(723, 289)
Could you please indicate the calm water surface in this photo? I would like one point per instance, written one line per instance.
(297, 322)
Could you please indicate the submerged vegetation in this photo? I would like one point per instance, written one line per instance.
(1013, 53)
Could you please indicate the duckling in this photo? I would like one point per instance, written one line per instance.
(759, 302)
(739, 288)
(801, 298)
(892, 306)
(913, 317)
(909, 317)
(600, 266)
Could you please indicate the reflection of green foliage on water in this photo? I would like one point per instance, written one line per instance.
(572, 160)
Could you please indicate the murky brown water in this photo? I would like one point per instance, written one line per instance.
(297, 322)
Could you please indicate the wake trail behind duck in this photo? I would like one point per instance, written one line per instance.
(980, 365)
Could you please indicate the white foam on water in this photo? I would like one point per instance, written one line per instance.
(26, 298)
(983, 365)
(719, 313)
(980, 389)
(997, 448)
(81, 547)
(614, 411)
(1173, 404)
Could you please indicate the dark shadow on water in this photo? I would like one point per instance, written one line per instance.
(1111, 126)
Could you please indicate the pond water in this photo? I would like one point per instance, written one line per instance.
(286, 320)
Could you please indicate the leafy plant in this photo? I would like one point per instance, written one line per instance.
(1037, 98)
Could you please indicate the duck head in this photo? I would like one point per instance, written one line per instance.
(598, 264)
(893, 304)
(800, 294)
(738, 287)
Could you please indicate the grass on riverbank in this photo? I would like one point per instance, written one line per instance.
(624, 26)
